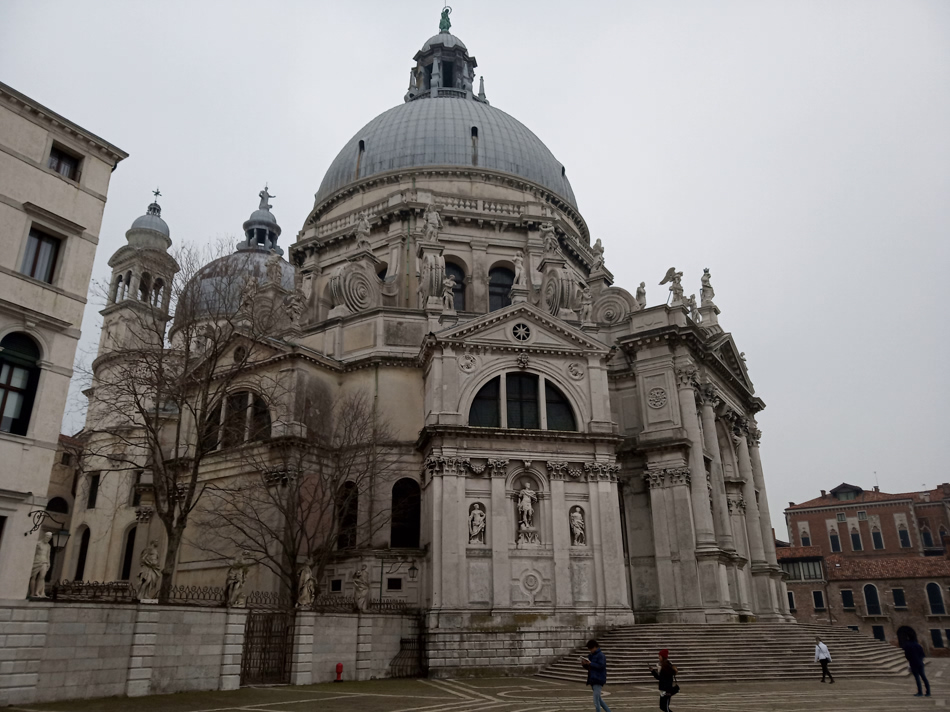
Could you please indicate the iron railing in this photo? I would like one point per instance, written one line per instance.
(94, 591)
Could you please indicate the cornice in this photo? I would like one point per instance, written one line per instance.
(471, 433)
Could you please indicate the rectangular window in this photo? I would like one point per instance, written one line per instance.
(93, 491)
(899, 600)
(819, 599)
(336, 585)
(66, 459)
(856, 541)
(793, 569)
(835, 542)
(394, 584)
(17, 386)
(136, 494)
(448, 74)
(847, 599)
(877, 539)
(64, 163)
(862, 516)
(521, 390)
(878, 632)
(842, 517)
(811, 570)
(904, 537)
(39, 261)
(791, 600)
(937, 637)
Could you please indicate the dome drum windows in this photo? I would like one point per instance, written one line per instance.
(245, 417)
(500, 282)
(521, 400)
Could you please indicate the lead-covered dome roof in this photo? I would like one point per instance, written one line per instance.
(438, 132)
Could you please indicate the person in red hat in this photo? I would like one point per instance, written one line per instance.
(666, 674)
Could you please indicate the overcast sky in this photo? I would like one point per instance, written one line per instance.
(800, 150)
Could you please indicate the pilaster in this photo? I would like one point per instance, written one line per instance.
(139, 676)
(230, 678)
(301, 667)
(561, 535)
(499, 533)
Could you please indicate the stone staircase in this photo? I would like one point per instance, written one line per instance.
(733, 652)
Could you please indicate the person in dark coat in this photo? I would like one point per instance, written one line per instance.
(666, 674)
(596, 666)
(914, 653)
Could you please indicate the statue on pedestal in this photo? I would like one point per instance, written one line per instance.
(578, 533)
(676, 287)
(707, 292)
(295, 307)
(550, 238)
(693, 308)
(598, 250)
(306, 586)
(433, 223)
(476, 525)
(272, 268)
(41, 559)
(150, 572)
(264, 195)
(237, 577)
(526, 499)
(642, 295)
(448, 293)
(519, 270)
(587, 305)
(361, 589)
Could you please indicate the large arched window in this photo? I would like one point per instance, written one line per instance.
(518, 400)
(935, 599)
(458, 294)
(347, 515)
(58, 505)
(246, 418)
(406, 515)
(145, 287)
(500, 281)
(19, 374)
(128, 553)
(81, 557)
(871, 600)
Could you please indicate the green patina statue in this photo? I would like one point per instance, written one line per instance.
(445, 23)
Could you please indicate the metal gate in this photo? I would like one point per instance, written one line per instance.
(268, 647)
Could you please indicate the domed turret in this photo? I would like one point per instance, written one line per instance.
(146, 228)
(261, 229)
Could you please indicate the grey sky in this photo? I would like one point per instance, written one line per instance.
(800, 150)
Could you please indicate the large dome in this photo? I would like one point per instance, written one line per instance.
(438, 132)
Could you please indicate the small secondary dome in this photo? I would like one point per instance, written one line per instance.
(152, 220)
(445, 39)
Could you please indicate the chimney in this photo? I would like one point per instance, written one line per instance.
(791, 504)
(823, 493)
(876, 488)
(946, 489)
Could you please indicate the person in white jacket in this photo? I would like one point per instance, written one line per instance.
(824, 657)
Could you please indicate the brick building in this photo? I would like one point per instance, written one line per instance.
(872, 561)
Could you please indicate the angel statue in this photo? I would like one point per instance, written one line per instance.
(676, 287)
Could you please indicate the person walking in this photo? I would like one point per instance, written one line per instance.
(596, 666)
(666, 674)
(824, 657)
(914, 653)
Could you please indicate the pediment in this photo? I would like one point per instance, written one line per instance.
(502, 329)
(728, 353)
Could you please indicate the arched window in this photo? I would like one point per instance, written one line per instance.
(57, 505)
(19, 374)
(458, 293)
(500, 281)
(904, 536)
(158, 292)
(835, 540)
(127, 555)
(935, 598)
(871, 600)
(806, 540)
(347, 515)
(246, 418)
(81, 557)
(486, 408)
(406, 515)
(856, 540)
(927, 537)
(557, 408)
(877, 539)
(145, 287)
(117, 290)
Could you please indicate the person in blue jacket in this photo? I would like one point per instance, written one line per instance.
(596, 666)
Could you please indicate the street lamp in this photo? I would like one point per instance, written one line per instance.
(413, 572)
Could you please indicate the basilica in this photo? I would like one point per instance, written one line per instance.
(578, 458)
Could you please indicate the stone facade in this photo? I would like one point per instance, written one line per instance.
(583, 460)
(54, 176)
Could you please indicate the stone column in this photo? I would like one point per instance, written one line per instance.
(765, 518)
(301, 666)
(738, 588)
(452, 532)
(722, 521)
(699, 494)
(499, 535)
(435, 486)
(611, 546)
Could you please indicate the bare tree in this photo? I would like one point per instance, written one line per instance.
(161, 375)
(298, 497)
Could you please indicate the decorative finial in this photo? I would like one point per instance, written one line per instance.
(481, 88)
(264, 195)
(157, 193)
(155, 208)
(445, 23)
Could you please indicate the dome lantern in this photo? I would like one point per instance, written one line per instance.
(443, 67)
(261, 229)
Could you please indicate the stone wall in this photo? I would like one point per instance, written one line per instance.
(365, 644)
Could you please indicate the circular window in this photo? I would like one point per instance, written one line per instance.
(522, 332)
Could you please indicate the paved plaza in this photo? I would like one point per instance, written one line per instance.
(518, 694)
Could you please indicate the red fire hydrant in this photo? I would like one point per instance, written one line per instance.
(339, 672)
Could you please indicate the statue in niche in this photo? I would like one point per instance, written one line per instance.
(676, 287)
(598, 250)
(272, 268)
(642, 295)
(150, 572)
(526, 499)
(433, 223)
(549, 237)
(706, 293)
(693, 308)
(306, 586)
(448, 293)
(587, 305)
(264, 196)
(237, 577)
(477, 522)
(41, 560)
(578, 533)
(519, 270)
(361, 589)
(295, 306)
(362, 230)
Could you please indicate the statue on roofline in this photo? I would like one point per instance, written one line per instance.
(264, 195)
(445, 23)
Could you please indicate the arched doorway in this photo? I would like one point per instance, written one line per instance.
(406, 515)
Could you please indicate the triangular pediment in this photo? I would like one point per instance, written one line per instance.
(505, 328)
(728, 353)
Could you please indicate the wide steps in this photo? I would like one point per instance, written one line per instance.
(734, 652)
